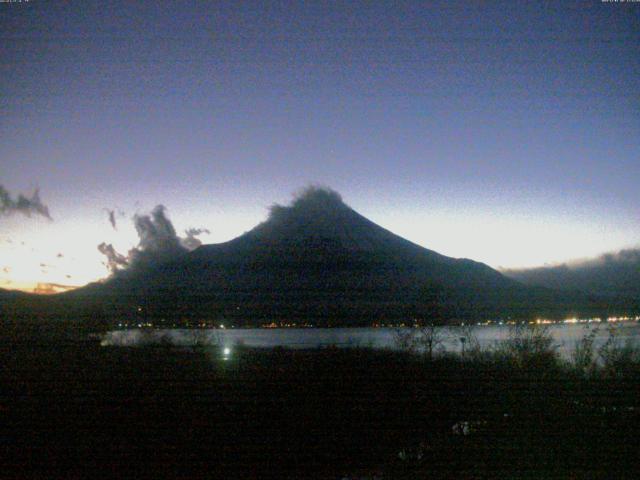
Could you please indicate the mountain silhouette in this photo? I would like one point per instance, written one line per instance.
(318, 261)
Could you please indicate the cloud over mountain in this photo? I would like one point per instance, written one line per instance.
(158, 242)
(115, 261)
(313, 200)
(614, 273)
(191, 242)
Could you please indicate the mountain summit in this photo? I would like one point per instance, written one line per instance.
(318, 218)
(317, 214)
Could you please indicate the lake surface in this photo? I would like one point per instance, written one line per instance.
(565, 336)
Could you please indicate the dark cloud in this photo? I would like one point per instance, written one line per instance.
(158, 242)
(628, 256)
(60, 255)
(115, 261)
(191, 242)
(23, 205)
(313, 200)
(614, 273)
(156, 232)
(112, 218)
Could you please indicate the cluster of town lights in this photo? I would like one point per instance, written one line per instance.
(538, 321)
(541, 321)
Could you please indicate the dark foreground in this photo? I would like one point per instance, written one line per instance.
(76, 410)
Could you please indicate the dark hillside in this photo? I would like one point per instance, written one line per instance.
(319, 261)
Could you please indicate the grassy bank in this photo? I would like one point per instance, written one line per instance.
(74, 409)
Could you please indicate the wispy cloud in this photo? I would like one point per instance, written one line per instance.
(51, 288)
(191, 242)
(23, 205)
(158, 242)
(112, 216)
(115, 261)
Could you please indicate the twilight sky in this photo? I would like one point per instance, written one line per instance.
(508, 133)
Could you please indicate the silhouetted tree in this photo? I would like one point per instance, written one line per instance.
(430, 338)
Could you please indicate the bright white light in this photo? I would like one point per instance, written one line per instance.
(227, 351)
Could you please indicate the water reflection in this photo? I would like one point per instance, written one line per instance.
(565, 337)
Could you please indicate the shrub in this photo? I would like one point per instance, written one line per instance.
(529, 345)
(199, 338)
(619, 359)
(405, 339)
(466, 336)
(426, 339)
(583, 356)
(429, 339)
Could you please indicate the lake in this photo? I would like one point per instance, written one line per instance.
(564, 335)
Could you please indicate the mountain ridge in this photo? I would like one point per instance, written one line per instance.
(610, 273)
(320, 262)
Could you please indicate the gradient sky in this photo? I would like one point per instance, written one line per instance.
(507, 132)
